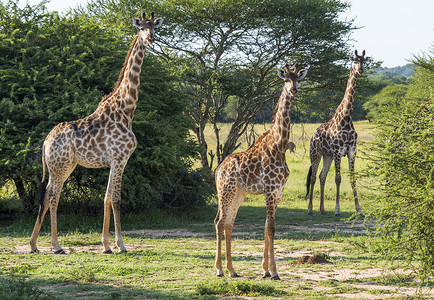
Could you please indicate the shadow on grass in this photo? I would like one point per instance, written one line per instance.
(21, 287)
(291, 224)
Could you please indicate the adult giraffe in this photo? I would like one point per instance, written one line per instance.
(261, 169)
(335, 139)
(103, 139)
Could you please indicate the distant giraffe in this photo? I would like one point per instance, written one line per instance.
(335, 139)
(261, 169)
(291, 147)
(103, 139)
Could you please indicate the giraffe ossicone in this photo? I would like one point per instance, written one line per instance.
(335, 139)
(103, 139)
(261, 169)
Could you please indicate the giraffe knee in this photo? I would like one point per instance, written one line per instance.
(116, 205)
(338, 179)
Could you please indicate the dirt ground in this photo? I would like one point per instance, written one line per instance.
(299, 258)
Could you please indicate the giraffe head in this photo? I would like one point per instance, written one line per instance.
(292, 78)
(359, 61)
(147, 27)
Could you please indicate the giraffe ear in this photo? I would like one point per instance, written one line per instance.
(137, 23)
(281, 73)
(158, 22)
(302, 74)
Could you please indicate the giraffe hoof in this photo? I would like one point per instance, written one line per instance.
(108, 252)
(35, 250)
(60, 251)
(337, 215)
(123, 251)
(275, 277)
(235, 275)
(220, 275)
(310, 213)
(266, 275)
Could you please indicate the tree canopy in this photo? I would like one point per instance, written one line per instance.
(231, 49)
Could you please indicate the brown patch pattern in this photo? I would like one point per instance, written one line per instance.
(103, 139)
(335, 139)
(261, 169)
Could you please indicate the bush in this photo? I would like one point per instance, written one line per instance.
(56, 69)
(403, 162)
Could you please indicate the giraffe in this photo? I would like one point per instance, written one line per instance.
(261, 169)
(335, 139)
(103, 139)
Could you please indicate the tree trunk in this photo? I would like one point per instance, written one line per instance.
(25, 196)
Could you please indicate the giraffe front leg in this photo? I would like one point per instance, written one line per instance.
(270, 230)
(112, 200)
(338, 179)
(116, 206)
(106, 221)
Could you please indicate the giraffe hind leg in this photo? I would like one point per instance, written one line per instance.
(351, 161)
(219, 227)
(43, 207)
(314, 166)
(224, 222)
(327, 161)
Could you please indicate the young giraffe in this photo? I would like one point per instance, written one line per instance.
(335, 139)
(103, 139)
(261, 169)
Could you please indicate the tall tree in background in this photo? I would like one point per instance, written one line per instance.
(232, 48)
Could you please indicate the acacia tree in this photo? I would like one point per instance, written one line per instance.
(232, 48)
(402, 162)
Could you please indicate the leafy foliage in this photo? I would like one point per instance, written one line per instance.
(57, 69)
(229, 51)
(17, 287)
(386, 102)
(404, 164)
(236, 288)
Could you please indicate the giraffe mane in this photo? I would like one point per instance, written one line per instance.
(122, 73)
(260, 138)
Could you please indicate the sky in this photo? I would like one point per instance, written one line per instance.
(390, 31)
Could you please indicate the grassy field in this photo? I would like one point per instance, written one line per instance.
(170, 257)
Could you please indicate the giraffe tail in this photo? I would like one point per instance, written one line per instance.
(309, 176)
(42, 184)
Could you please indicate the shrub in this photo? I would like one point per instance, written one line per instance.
(403, 163)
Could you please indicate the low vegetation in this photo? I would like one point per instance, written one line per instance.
(172, 257)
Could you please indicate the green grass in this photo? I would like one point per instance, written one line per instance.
(174, 258)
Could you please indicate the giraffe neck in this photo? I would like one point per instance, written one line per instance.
(281, 126)
(124, 97)
(345, 109)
